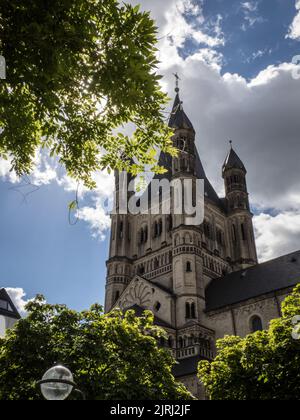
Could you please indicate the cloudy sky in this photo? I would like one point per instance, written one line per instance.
(238, 82)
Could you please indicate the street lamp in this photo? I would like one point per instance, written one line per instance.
(57, 384)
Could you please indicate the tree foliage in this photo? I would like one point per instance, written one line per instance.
(262, 366)
(77, 70)
(112, 356)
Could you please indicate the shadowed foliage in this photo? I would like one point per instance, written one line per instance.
(112, 356)
(262, 366)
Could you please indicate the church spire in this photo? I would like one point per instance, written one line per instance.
(233, 161)
(179, 119)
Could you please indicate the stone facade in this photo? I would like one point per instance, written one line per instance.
(159, 263)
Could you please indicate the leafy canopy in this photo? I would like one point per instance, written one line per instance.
(112, 356)
(77, 70)
(262, 366)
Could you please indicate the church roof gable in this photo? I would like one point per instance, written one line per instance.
(7, 307)
(271, 276)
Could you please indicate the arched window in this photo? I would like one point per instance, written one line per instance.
(156, 230)
(188, 310)
(146, 234)
(180, 342)
(121, 230)
(244, 236)
(193, 311)
(160, 227)
(234, 237)
(170, 342)
(188, 267)
(256, 324)
(117, 295)
(141, 270)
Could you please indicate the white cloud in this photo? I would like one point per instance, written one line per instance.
(97, 219)
(251, 16)
(46, 171)
(179, 21)
(5, 171)
(294, 31)
(250, 6)
(261, 116)
(277, 235)
(18, 296)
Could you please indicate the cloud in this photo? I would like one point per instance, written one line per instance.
(277, 235)
(18, 296)
(97, 219)
(46, 171)
(251, 15)
(5, 171)
(294, 30)
(261, 116)
(180, 21)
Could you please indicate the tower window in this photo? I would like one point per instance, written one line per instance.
(244, 236)
(256, 324)
(160, 227)
(117, 295)
(234, 237)
(188, 267)
(180, 342)
(193, 311)
(121, 230)
(188, 310)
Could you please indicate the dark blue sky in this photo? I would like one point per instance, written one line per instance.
(40, 252)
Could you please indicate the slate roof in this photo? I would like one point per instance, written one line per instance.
(12, 312)
(178, 118)
(139, 311)
(232, 161)
(271, 276)
(186, 367)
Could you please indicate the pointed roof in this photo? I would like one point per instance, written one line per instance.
(165, 160)
(178, 118)
(232, 161)
(7, 307)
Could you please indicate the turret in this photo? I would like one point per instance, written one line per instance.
(183, 139)
(187, 266)
(119, 265)
(240, 225)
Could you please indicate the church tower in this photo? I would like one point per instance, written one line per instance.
(119, 265)
(187, 261)
(240, 225)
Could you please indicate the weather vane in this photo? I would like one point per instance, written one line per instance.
(177, 82)
(230, 142)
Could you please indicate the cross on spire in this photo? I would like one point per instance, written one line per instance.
(177, 82)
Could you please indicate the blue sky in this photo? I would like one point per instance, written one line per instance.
(40, 252)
